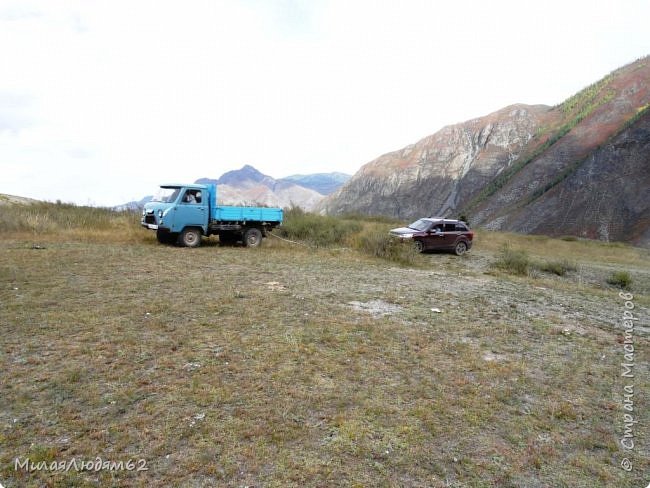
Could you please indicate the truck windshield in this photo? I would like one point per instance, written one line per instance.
(166, 195)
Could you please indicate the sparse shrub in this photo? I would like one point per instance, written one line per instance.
(380, 219)
(380, 244)
(73, 376)
(49, 217)
(622, 279)
(365, 234)
(40, 453)
(559, 268)
(569, 238)
(513, 261)
(88, 223)
(318, 230)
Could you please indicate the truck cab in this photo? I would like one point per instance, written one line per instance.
(183, 213)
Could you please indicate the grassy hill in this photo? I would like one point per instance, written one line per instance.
(314, 364)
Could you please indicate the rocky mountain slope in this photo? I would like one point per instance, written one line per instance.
(581, 168)
(323, 183)
(599, 193)
(248, 186)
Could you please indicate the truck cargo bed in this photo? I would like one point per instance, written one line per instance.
(243, 214)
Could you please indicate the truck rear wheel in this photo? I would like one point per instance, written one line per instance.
(190, 237)
(252, 237)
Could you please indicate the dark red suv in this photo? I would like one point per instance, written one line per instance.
(437, 233)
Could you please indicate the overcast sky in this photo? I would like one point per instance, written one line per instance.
(100, 101)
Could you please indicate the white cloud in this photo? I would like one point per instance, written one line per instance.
(148, 91)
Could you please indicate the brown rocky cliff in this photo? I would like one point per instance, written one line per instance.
(606, 197)
(503, 169)
(576, 186)
(444, 169)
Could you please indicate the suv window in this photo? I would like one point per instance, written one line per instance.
(461, 227)
(450, 227)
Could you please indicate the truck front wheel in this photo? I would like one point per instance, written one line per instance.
(190, 237)
(252, 237)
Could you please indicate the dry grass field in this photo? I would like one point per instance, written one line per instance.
(294, 366)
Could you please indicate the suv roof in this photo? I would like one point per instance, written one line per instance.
(442, 219)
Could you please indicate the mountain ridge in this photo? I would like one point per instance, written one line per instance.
(250, 187)
(323, 183)
(499, 166)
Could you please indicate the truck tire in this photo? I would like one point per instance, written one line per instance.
(190, 237)
(252, 237)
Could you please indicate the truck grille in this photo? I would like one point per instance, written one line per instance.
(150, 219)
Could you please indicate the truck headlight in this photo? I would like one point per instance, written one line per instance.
(160, 213)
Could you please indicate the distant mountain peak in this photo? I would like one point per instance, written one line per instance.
(246, 174)
(247, 185)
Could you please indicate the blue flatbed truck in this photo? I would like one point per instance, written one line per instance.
(183, 213)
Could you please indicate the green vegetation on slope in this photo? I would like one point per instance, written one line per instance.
(575, 109)
(572, 168)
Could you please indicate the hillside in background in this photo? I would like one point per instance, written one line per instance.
(581, 168)
(323, 183)
(134, 205)
(248, 186)
(13, 199)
